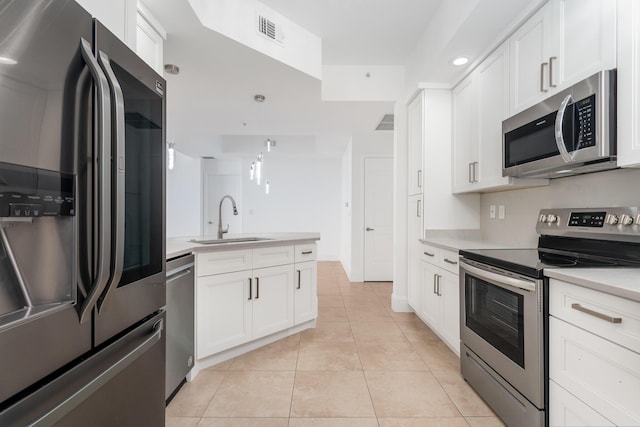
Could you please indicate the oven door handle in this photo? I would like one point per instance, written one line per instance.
(498, 278)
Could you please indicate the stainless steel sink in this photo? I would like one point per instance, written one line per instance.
(232, 240)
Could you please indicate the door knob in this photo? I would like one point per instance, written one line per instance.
(210, 222)
(370, 229)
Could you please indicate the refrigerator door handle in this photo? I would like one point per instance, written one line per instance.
(103, 221)
(57, 413)
(118, 166)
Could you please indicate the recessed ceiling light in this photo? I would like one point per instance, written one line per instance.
(460, 60)
(7, 61)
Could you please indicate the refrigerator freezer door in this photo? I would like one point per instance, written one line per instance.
(121, 385)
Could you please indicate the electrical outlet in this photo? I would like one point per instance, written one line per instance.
(501, 212)
(492, 211)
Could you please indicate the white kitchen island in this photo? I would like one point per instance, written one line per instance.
(250, 293)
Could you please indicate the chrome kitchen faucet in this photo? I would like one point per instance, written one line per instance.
(222, 231)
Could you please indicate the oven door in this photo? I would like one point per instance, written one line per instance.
(502, 323)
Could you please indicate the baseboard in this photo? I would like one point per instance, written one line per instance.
(223, 356)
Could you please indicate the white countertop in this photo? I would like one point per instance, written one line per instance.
(457, 244)
(182, 245)
(621, 281)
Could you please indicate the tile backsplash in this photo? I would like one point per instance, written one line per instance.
(620, 187)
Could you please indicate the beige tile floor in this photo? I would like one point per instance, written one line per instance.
(362, 366)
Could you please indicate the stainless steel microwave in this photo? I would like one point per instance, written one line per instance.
(570, 133)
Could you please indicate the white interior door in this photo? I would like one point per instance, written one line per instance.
(378, 219)
(216, 187)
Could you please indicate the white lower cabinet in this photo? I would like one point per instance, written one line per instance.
(568, 410)
(272, 300)
(224, 315)
(440, 292)
(234, 308)
(592, 357)
(306, 292)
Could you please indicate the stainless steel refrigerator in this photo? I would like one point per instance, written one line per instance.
(82, 249)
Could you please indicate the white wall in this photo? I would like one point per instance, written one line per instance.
(601, 189)
(345, 207)
(373, 144)
(183, 197)
(304, 197)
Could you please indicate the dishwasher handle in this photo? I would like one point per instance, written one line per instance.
(179, 274)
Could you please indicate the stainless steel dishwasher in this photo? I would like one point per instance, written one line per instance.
(180, 311)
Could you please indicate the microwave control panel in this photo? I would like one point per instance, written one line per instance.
(585, 122)
(27, 192)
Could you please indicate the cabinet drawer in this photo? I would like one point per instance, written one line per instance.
(569, 302)
(430, 254)
(567, 410)
(604, 375)
(272, 256)
(448, 260)
(208, 263)
(306, 252)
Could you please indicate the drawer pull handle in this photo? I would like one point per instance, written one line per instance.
(450, 262)
(596, 314)
(307, 252)
(428, 254)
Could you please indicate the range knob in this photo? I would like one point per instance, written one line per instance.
(543, 218)
(552, 219)
(626, 219)
(612, 219)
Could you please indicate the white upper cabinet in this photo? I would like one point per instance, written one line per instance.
(415, 136)
(531, 48)
(628, 83)
(481, 103)
(587, 31)
(465, 140)
(150, 37)
(117, 15)
(563, 43)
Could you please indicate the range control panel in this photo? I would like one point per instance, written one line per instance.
(613, 221)
(29, 192)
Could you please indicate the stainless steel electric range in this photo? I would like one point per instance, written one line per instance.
(504, 303)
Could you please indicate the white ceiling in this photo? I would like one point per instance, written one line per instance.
(211, 111)
(361, 32)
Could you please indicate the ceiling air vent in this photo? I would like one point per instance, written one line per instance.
(270, 29)
(386, 123)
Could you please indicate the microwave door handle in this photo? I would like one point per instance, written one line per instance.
(566, 156)
(118, 166)
(102, 223)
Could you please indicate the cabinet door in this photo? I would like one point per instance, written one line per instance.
(604, 375)
(272, 300)
(415, 137)
(431, 303)
(465, 139)
(628, 83)
(415, 232)
(565, 410)
(449, 289)
(223, 312)
(306, 292)
(529, 52)
(587, 39)
(493, 103)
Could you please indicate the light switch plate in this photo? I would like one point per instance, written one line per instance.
(492, 211)
(501, 212)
